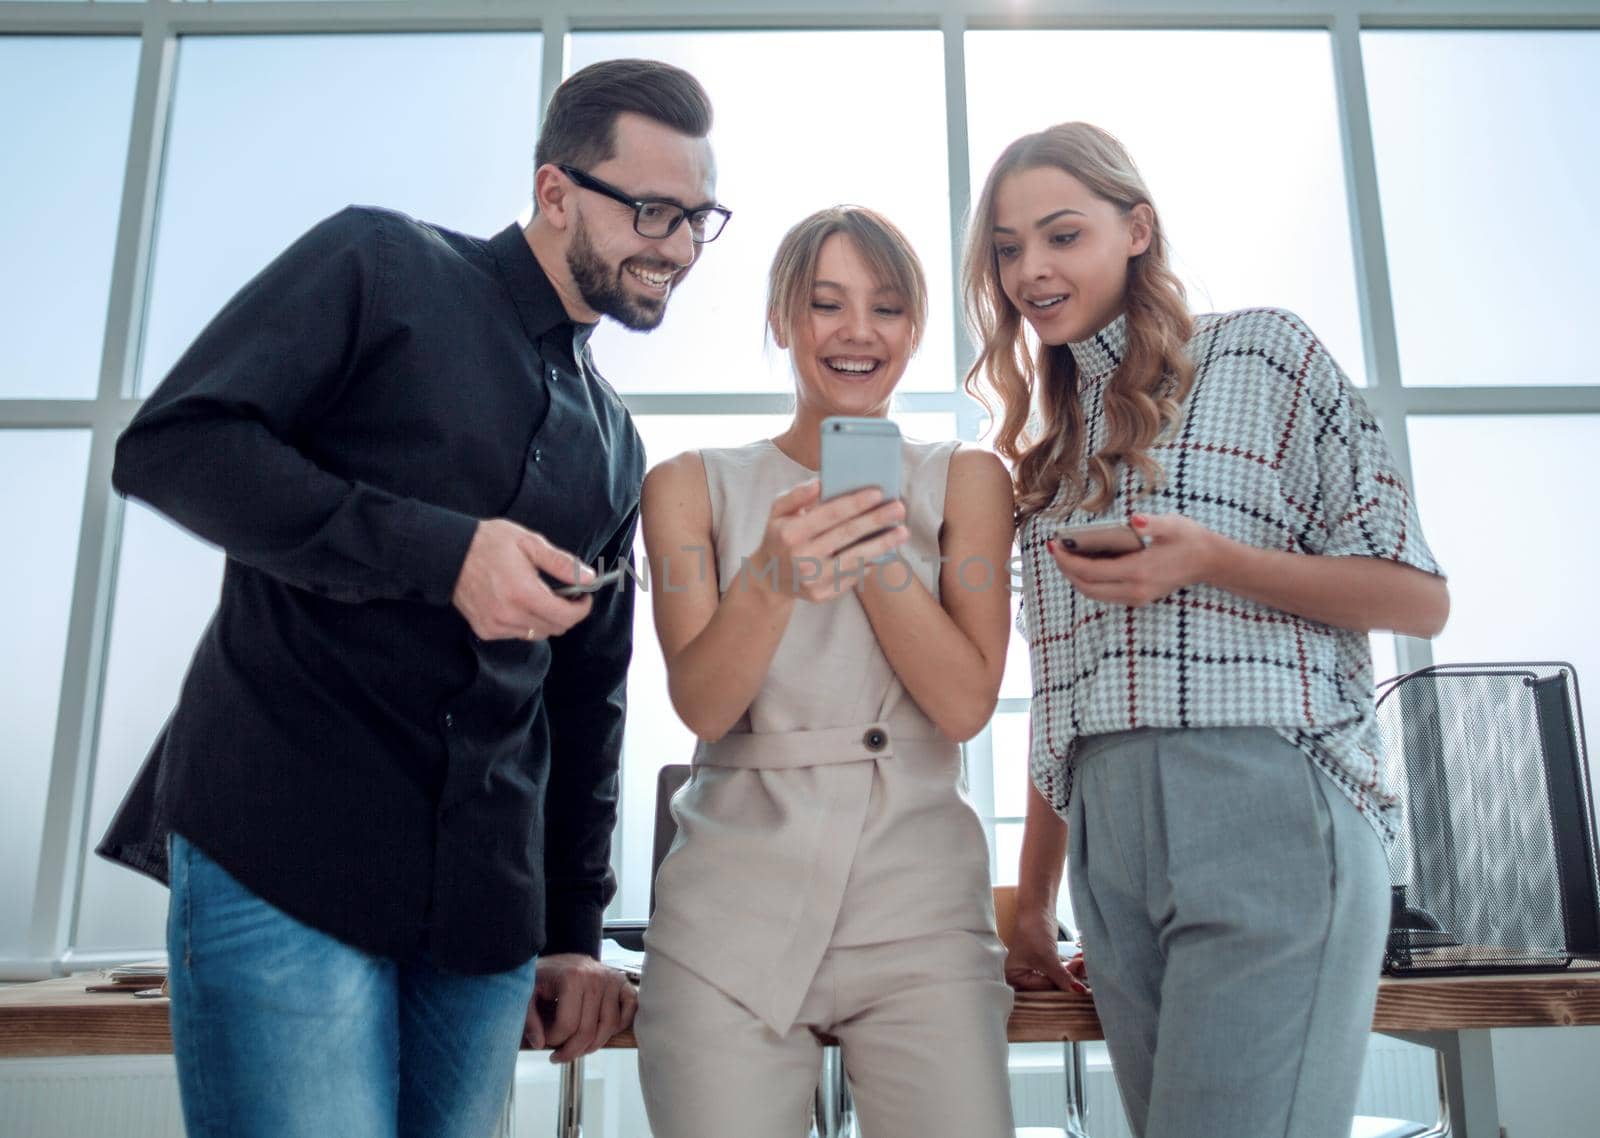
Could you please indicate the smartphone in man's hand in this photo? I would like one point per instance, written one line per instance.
(592, 585)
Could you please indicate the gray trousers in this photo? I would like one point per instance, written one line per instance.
(1234, 907)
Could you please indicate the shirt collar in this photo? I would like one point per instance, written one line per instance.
(538, 304)
(1101, 354)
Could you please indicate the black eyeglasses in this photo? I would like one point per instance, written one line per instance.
(654, 217)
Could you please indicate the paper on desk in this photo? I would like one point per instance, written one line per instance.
(625, 960)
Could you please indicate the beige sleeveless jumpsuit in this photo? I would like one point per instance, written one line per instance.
(828, 875)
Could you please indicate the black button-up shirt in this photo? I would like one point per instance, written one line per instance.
(343, 744)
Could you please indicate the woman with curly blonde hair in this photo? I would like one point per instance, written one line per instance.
(1202, 721)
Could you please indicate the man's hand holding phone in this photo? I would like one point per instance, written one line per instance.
(500, 590)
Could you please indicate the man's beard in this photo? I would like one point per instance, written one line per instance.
(602, 287)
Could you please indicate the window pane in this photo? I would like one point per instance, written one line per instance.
(270, 134)
(926, 426)
(1009, 743)
(1385, 655)
(35, 597)
(1515, 536)
(1007, 850)
(787, 145)
(167, 588)
(65, 106)
(1253, 202)
(1489, 166)
(1017, 681)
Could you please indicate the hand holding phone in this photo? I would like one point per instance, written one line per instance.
(860, 453)
(1101, 539)
(492, 589)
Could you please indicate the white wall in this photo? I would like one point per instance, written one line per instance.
(1548, 1081)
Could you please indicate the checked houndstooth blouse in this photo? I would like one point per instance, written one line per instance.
(1275, 448)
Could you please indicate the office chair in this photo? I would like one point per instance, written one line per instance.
(669, 779)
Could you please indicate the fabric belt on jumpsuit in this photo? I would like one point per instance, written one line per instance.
(769, 964)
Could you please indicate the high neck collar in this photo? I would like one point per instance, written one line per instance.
(1099, 355)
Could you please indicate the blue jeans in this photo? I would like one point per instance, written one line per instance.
(280, 1030)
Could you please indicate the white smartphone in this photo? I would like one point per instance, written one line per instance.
(1101, 539)
(858, 453)
(592, 585)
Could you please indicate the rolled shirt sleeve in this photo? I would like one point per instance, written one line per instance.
(1337, 470)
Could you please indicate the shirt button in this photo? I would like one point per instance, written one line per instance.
(875, 739)
(538, 455)
(449, 720)
(554, 375)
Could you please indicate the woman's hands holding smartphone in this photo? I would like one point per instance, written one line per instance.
(1178, 552)
(820, 550)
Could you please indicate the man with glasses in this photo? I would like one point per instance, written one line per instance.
(390, 780)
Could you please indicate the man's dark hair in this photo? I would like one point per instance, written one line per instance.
(580, 123)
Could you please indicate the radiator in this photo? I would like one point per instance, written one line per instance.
(136, 1096)
(1400, 1080)
(114, 1096)
(1038, 1098)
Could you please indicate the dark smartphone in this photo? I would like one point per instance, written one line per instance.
(1101, 539)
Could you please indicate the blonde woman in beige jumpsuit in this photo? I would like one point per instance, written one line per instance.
(828, 875)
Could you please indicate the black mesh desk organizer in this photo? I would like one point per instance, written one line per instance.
(1495, 866)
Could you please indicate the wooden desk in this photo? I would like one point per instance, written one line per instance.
(1453, 1015)
(57, 1017)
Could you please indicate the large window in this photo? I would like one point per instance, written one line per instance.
(1419, 196)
